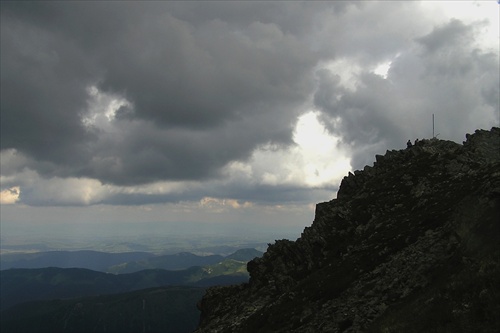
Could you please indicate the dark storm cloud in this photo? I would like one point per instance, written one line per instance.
(203, 84)
(43, 92)
(442, 74)
(207, 83)
(198, 78)
(140, 152)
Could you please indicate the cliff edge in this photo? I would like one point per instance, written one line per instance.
(411, 244)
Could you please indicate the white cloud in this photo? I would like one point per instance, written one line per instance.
(324, 161)
(315, 160)
(102, 108)
(383, 69)
(10, 195)
(469, 12)
(219, 205)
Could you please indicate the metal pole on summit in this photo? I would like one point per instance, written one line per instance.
(433, 125)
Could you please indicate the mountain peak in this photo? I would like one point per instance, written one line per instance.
(410, 244)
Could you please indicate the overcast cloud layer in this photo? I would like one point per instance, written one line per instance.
(127, 103)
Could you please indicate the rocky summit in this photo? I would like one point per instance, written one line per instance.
(410, 244)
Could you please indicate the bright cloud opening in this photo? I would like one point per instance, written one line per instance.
(10, 196)
(324, 162)
(102, 108)
(316, 160)
(383, 69)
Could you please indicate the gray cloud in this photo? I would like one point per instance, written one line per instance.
(207, 83)
(43, 92)
(202, 93)
(441, 74)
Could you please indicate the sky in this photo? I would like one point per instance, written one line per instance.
(240, 115)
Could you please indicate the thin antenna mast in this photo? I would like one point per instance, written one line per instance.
(433, 125)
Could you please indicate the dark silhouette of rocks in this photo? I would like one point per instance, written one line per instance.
(410, 244)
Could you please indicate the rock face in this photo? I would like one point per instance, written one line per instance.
(411, 244)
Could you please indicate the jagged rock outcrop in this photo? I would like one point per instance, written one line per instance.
(411, 244)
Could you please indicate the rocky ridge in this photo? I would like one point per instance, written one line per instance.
(410, 244)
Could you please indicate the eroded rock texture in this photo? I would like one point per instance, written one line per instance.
(411, 244)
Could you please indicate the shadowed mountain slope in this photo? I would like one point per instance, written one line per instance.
(165, 310)
(22, 285)
(409, 245)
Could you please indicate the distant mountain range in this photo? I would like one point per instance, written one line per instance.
(55, 299)
(117, 263)
(94, 260)
(24, 284)
(181, 260)
(177, 261)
